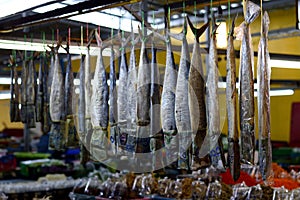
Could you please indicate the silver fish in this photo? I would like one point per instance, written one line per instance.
(69, 87)
(231, 99)
(99, 109)
(246, 90)
(122, 100)
(182, 112)
(30, 92)
(168, 105)
(87, 84)
(113, 111)
(46, 115)
(263, 98)
(24, 77)
(143, 104)
(197, 105)
(214, 132)
(15, 95)
(81, 99)
(56, 103)
(40, 92)
(156, 141)
(132, 98)
(51, 72)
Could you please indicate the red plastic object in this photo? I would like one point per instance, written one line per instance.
(8, 163)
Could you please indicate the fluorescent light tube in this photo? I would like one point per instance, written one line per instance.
(4, 94)
(285, 64)
(283, 92)
(34, 46)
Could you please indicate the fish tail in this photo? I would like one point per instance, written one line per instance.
(197, 31)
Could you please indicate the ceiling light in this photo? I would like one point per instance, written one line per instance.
(234, 5)
(34, 46)
(176, 16)
(279, 92)
(285, 64)
(5, 94)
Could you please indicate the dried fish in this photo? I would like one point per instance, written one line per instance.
(197, 102)
(72, 136)
(182, 112)
(40, 92)
(24, 77)
(263, 98)
(113, 112)
(246, 90)
(132, 98)
(99, 109)
(56, 107)
(46, 115)
(30, 93)
(168, 105)
(122, 100)
(231, 99)
(156, 141)
(14, 100)
(215, 144)
(56, 103)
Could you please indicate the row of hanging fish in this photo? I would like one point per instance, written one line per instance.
(136, 119)
(45, 97)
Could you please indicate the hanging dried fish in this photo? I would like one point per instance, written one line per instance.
(72, 136)
(168, 105)
(132, 98)
(143, 98)
(46, 115)
(182, 113)
(81, 129)
(231, 99)
(56, 103)
(156, 141)
(40, 92)
(246, 90)
(113, 112)
(197, 102)
(263, 98)
(88, 93)
(56, 107)
(214, 132)
(122, 100)
(30, 95)
(24, 77)
(14, 100)
(99, 109)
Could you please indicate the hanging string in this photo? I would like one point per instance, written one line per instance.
(87, 33)
(261, 15)
(57, 35)
(69, 36)
(195, 12)
(52, 37)
(81, 35)
(25, 52)
(143, 24)
(184, 14)
(211, 10)
(169, 17)
(31, 40)
(111, 35)
(44, 38)
(228, 7)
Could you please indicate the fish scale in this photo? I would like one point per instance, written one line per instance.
(231, 99)
(246, 89)
(263, 98)
(197, 105)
